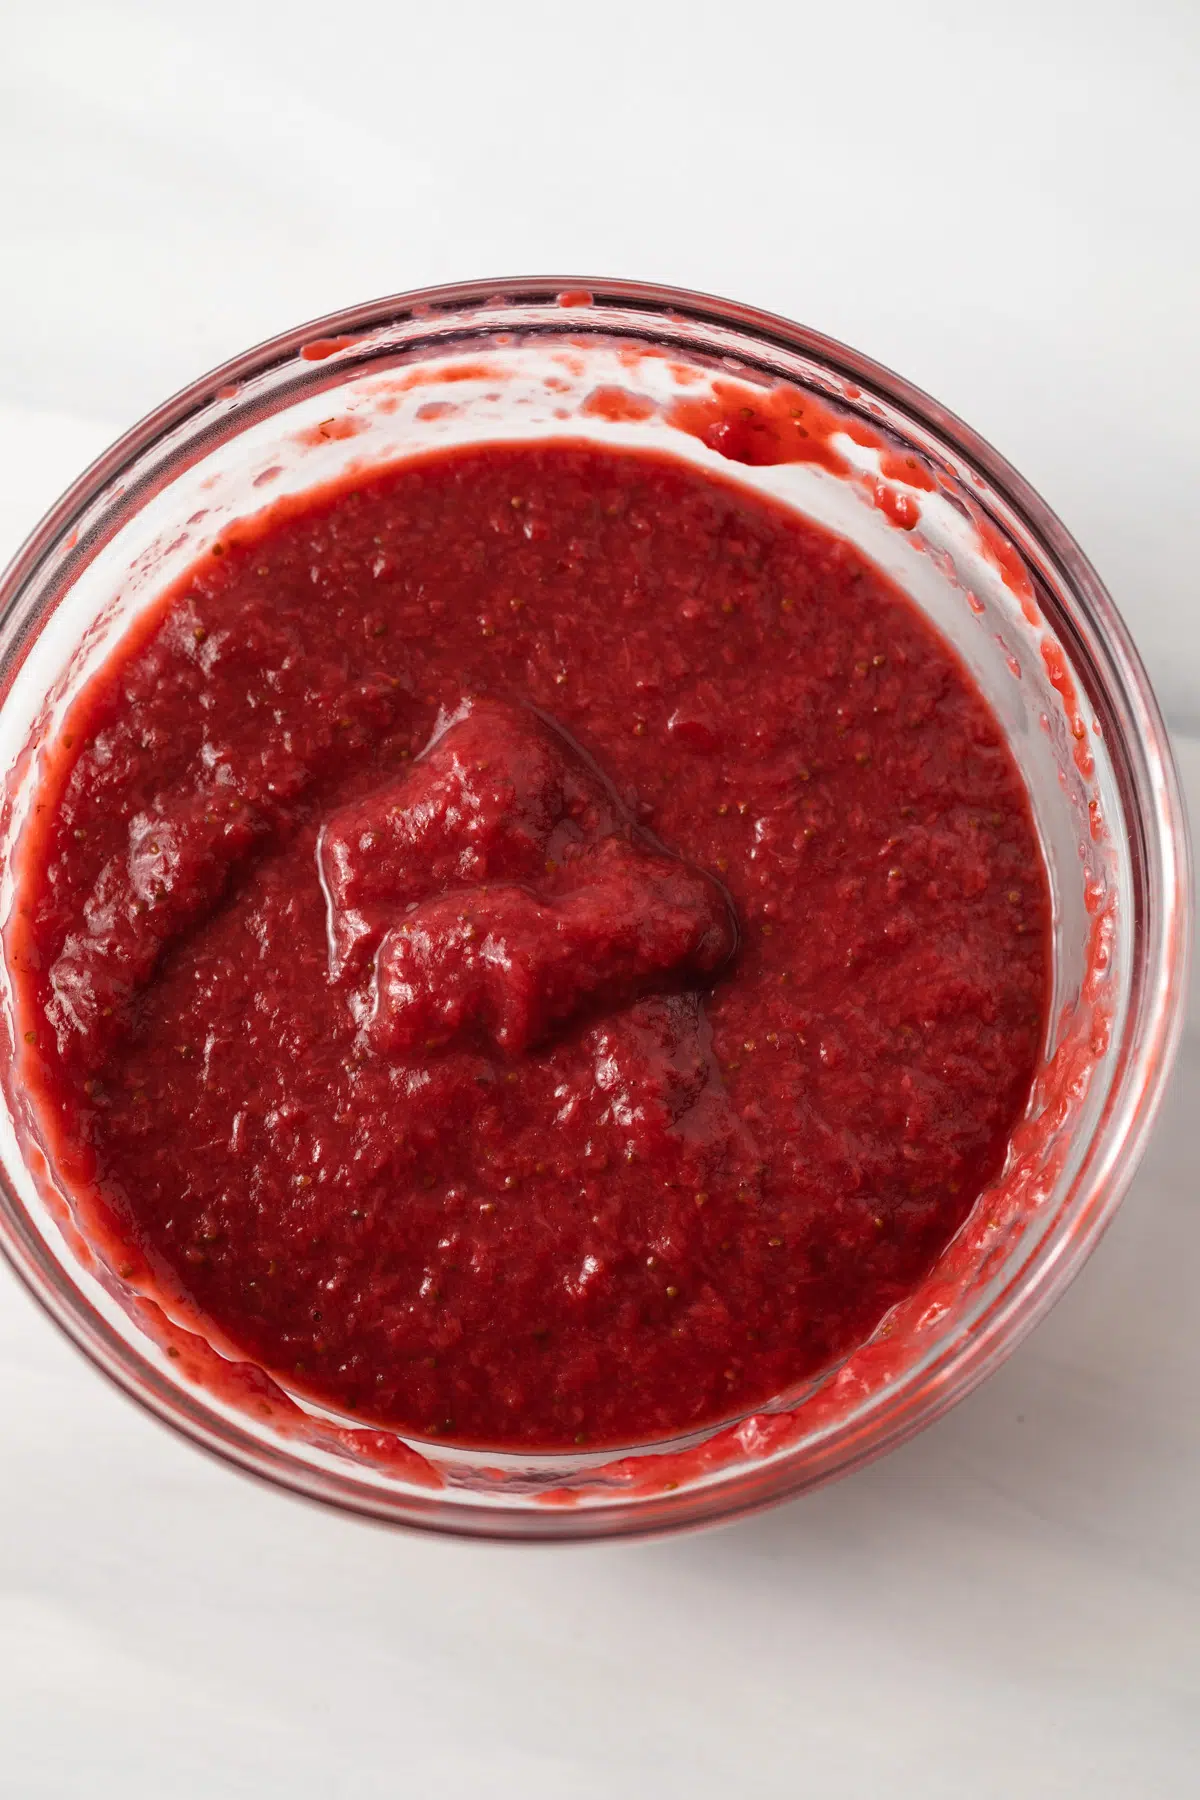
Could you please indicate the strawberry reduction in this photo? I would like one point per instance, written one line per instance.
(542, 947)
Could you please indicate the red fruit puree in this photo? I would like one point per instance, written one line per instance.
(542, 947)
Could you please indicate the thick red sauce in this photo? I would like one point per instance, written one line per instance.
(541, 948)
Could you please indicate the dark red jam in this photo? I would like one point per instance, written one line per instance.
(542, 948)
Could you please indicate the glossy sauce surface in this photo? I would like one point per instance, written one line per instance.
(543, 948)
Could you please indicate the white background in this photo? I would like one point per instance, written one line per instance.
(999, 200)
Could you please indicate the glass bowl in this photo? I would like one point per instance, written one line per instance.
(973, 545)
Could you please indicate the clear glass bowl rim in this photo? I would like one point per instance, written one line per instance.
(1157, 1022)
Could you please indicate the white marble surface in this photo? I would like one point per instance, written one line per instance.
(1000, 202)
